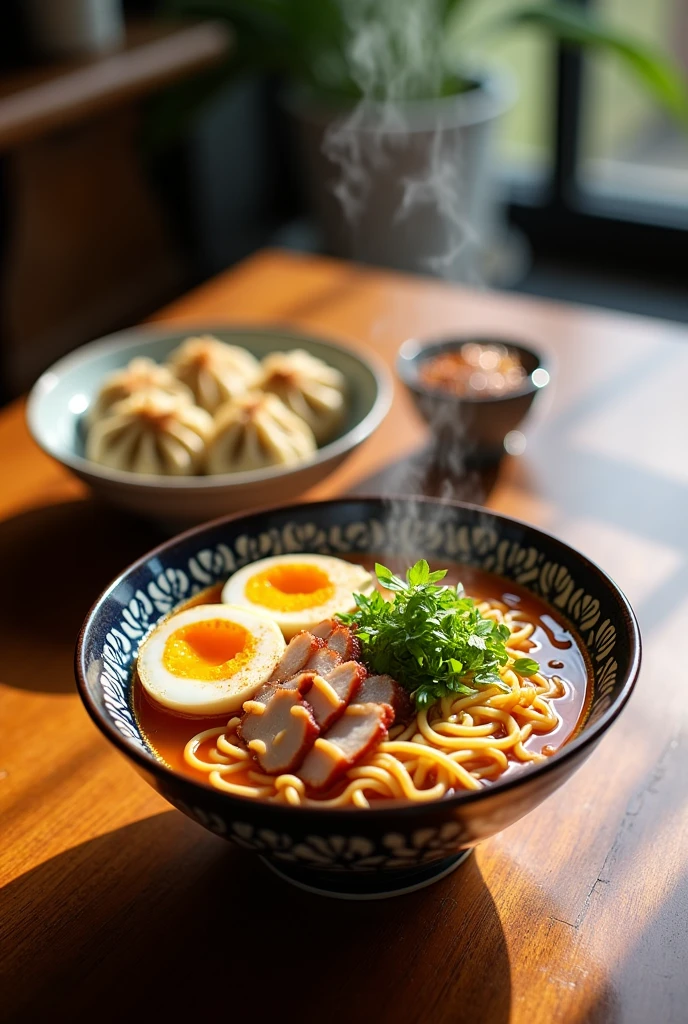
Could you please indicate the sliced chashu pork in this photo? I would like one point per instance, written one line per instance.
(343, 641)
(278, 726)
(346, 742)
(322, 661)
(305, 713)
(330, 695)
(385, 690)
(298, 651)
(324, 628)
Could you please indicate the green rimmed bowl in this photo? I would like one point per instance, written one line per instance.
(59, 401)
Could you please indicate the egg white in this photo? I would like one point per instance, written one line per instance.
(346, 577)
(203, 696)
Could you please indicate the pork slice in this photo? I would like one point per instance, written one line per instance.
(301, 682)
(346, 679)
(343, 641)
(346, 742)
(385, 690)
(322, 661)
(278, 728)
(324, 628)
(298, 651)
(329, 696)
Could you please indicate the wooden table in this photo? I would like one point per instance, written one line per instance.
(115, 904)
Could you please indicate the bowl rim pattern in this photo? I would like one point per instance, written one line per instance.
(414, 351)
(586, 738)
(132, 337)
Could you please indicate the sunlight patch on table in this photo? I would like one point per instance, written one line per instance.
(647, 426)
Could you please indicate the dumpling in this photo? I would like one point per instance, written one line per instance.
(307, 386)
(140, 374)
(255, 431)
(152, 432)
(214, 371)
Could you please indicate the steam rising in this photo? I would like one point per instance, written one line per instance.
(391, 55)
(402, 166)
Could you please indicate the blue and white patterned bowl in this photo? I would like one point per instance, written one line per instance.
(60, 398)
(397, 846)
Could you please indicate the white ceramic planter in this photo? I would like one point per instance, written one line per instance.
(70, 27)
(411, 187)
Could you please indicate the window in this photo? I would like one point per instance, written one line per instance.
(628, 147)
(524, 56)
(618, 187)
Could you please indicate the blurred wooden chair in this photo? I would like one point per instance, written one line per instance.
(87, 248)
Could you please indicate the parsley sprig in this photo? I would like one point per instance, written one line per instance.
(431, 638)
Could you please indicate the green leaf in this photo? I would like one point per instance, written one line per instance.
(424, 697)
(449, 8)
(475, 640)
(490, 679)
(432, 639)
(486, 626)
(526, 666)
(311, 41)
(418, 573)
(387, 578)
(582, 28)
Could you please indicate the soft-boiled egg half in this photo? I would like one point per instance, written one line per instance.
(209, 659)
(298, 591)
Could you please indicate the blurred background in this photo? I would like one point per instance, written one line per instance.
(145, 146)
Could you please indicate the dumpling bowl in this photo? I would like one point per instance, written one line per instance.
(60, 402)
(393, 846)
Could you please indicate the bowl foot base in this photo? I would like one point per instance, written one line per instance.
(363, 886)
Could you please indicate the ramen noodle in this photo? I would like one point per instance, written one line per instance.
(461, 743)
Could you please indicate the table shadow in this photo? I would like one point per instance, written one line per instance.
(160, 920)
(55, 561)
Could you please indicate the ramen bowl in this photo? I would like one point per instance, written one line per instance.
(476, 425)
(391, 847)
(60, 399)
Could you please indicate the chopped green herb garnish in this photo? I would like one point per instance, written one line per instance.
(430, 637)
(526, 666)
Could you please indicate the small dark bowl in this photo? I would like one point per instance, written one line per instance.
(396, 846)
(476, 426)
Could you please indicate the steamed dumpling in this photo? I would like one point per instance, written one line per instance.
(141, 374)
(255, 431)
(307, 386)
(214, 371)
(152, 432)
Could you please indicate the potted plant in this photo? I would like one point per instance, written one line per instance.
(396, 132)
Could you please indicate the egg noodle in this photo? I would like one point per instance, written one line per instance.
(452, 746)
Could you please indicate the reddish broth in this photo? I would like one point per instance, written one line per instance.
(554, 645)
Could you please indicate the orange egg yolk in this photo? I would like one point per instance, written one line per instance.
(211, 650)
(290, 588)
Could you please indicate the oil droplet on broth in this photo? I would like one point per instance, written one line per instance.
(558, 633)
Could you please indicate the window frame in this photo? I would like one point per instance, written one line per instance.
(564, 220)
